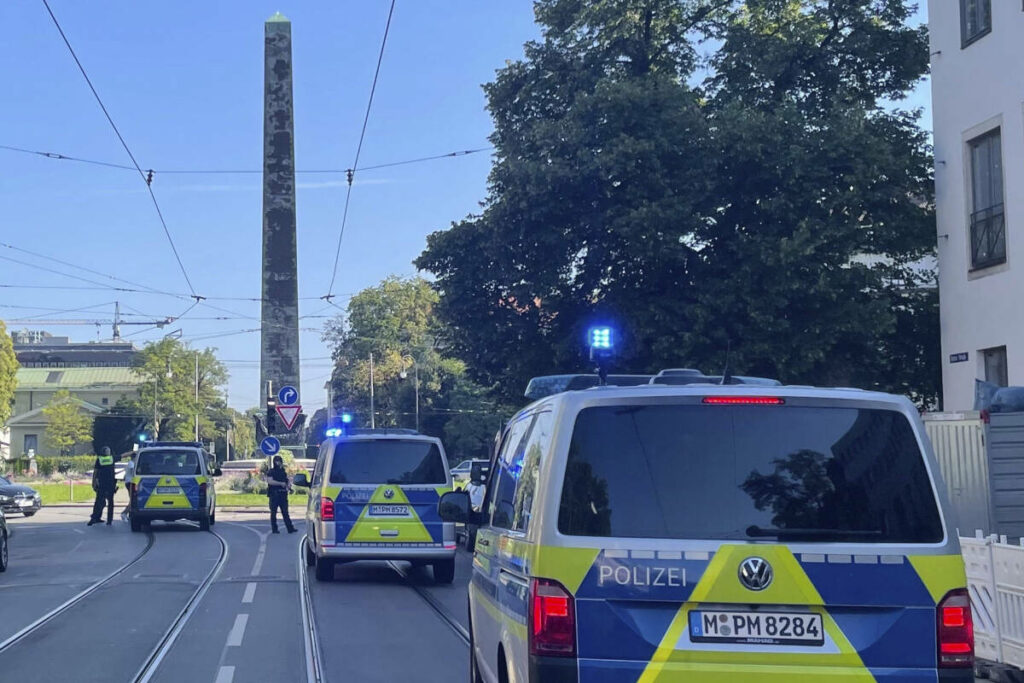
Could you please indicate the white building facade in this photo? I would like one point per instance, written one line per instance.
(977, 65)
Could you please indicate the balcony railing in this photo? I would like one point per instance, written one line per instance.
(988, 237)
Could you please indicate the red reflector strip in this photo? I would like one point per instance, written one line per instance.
(955, 648)
(743, 400)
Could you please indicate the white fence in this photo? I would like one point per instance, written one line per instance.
(995, 580)
(958, 440)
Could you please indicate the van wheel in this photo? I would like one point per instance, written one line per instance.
(444, 571)
(204, 523)
(3, 552)
(310, 555)
(324, 569)
(213, 518)
(135, 523)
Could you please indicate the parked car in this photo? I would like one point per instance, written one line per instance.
(3, 542)
(18, 498)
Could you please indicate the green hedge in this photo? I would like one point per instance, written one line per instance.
(79, 464)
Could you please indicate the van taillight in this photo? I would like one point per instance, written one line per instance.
(552, 620)
(326, 510)
(956, 630)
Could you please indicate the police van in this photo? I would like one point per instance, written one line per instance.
(173, 481)
(705, 532)
(374, 496)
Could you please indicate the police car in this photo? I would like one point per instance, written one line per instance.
(374, 496)
(172, 482)
(689, 531)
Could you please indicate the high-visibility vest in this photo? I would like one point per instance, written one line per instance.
(106, 460)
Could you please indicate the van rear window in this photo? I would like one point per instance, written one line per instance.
(387, 461)
(169, 462)
(788, 473)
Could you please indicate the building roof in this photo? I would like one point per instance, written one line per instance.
(37, 418)
(77, 378)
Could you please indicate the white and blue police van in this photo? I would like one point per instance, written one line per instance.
(697, 529)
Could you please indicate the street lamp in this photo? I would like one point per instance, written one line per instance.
(416, 384)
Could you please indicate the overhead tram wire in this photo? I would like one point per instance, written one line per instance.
(142, 174)
(350, 176)
(253, 171)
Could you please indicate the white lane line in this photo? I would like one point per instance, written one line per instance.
(258, 564)
(238, 630)
(250, 592)
(226, 674)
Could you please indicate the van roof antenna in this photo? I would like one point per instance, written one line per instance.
(727, 372)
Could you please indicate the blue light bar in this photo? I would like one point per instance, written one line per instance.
(334, 431)
(600, 338)
(346, 417)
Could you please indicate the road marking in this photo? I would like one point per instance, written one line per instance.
(250, 591)
(258, 564)
(226, 674)
(238, 630)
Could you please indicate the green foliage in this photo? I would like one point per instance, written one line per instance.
(770, 201)
(169, 368)
(8, 373)
(67, 425)
(47, 466)
(396, 321)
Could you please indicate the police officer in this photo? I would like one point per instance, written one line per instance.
(278, 486)
(104, 484)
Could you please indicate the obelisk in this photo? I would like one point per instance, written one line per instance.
(279, 357)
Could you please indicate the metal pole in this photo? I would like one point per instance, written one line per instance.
(416, 381)
(372, 422)
(156, 419)
(197, 396)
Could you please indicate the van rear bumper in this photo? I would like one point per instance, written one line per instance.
(167, 515)
(614, 670)
(369, 551)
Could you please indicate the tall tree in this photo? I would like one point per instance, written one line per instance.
(761, 199)
(8, 373)
(67, 425)
(169, 392)
(396, 322)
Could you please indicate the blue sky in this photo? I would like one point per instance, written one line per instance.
(184, 83)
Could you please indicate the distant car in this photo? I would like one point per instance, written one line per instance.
(461, 471)
(3, 542)
(18, 498)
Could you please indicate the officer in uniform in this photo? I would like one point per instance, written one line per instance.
(104, 484)
(278, 486)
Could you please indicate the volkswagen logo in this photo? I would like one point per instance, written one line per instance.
(755, 573)
(389, 493)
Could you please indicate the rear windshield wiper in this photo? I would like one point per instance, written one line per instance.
(755, 531)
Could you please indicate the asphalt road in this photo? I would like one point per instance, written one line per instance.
(376, 622)
(221, 607)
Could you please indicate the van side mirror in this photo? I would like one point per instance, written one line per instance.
(454, 507)
(217, 472)
(478, 473)
(301, 479)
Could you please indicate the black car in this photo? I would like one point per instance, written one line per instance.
(3, 542)
(18, 498)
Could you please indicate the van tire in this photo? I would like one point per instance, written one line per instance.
(3, 552)
(204, 523)
(213, 518)
(474, 667)
(135, 524)
(324, 569)
(310, 555)
(444, 571)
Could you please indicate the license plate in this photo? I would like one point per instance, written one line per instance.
(168, 489)
(756, 628)
(389, 510)
(25, 503)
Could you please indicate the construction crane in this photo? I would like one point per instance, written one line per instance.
(116, 323)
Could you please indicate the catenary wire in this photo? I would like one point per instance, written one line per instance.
(142, 174)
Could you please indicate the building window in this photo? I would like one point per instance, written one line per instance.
(988, 227)
(105, 400)
(995, 366)
(31, 443)
(975, 20)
